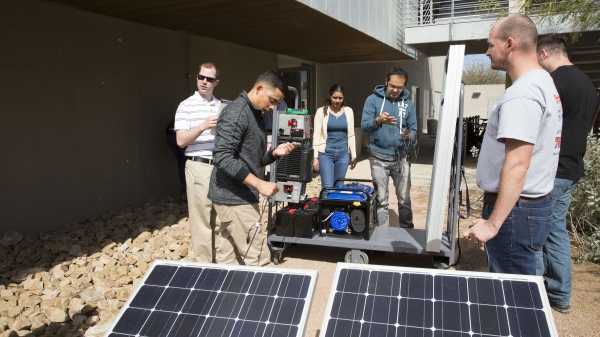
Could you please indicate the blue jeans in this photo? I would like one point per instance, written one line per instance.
(523, 233)
(554, 260)
(333, 164)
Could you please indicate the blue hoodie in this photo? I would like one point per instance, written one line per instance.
(386, 138)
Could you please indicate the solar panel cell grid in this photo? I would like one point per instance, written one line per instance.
(381, 301)
(182, 300)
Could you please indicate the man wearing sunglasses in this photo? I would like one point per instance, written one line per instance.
(390, 120)
(194, 119)
(240, 151)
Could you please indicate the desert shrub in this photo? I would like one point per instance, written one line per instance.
(584, 213)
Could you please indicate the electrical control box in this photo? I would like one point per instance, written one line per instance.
(296, 126)
(289, 191)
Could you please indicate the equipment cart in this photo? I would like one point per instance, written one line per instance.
(382, 239)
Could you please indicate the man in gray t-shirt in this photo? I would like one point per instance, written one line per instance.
(519, 154)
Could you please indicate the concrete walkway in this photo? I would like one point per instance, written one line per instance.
(421, 169)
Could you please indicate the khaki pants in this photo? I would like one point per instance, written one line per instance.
(237, 226)
(204, 224)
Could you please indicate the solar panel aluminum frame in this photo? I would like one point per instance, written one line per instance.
(538, 280)
(304, 272)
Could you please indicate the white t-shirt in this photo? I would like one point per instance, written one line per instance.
(191, 112)
(530, 111)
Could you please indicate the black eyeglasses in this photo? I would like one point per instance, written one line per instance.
(208, 79)
(394, 87)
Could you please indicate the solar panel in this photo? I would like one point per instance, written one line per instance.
(177, 299)
(369, 300)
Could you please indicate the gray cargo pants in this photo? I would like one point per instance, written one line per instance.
(399, 170)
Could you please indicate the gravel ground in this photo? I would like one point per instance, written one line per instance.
(72, 281)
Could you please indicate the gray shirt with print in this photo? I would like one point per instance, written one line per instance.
(530, 111)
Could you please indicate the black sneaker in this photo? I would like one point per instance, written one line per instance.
(562, 308)
(407, 226)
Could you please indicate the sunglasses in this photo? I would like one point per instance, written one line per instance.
(208, 79)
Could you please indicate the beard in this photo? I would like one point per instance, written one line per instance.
(498, 64)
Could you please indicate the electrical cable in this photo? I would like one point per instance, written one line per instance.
(257, 225)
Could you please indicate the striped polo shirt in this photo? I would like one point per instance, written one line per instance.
(194, 111)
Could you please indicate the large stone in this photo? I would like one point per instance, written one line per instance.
(11, 238)
(14, 311)
(21, 323)
(29, 301)
(143, 237)
(97, 330)
(57, 315)
(110, 305)
(32, 284)
(78, 320)
(75, 250)
(89, 295)
(6, 293)
(6, 323)
(4, 305)
(104, 284)
(92, 320)
(24, 274)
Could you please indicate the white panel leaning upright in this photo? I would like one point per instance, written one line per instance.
(444, 142)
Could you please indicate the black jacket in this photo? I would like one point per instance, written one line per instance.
(240, 149)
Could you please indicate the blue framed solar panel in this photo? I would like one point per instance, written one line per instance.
(177, 299)
(370, 300)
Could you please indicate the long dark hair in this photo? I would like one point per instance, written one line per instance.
(334, 88)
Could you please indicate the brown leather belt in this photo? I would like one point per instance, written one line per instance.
(491, 198)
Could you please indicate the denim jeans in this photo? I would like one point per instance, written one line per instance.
(554, 260)
(333, 164)
(399, 170)
(523, 233)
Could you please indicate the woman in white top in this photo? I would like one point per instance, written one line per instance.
(333, 138)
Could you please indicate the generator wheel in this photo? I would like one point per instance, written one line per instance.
(364, 258)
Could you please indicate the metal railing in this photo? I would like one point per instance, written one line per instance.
(431, 12)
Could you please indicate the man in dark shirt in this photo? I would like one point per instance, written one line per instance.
(240, 151)
(579, 100)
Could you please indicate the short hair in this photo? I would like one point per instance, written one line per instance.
(210, 65)
(554, 44)
(398, 72)
(274, 80)
(521, 27)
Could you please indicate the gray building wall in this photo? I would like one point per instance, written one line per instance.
(482, 103)
(84, 101)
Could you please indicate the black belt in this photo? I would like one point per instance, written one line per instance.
(491, 198)
(201, 159)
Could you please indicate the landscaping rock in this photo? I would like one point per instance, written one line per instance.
(10, 239)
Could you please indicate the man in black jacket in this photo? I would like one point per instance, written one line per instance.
(240, 151)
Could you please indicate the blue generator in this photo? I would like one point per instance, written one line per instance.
(348, 210)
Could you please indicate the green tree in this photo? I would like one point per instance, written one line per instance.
(581, 15)
(481, 73)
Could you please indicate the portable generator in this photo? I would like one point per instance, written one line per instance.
(348, 210)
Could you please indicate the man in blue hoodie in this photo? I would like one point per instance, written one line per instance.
(390, 120)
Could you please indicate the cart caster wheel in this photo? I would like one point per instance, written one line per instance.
(276, 258)
(364, 258)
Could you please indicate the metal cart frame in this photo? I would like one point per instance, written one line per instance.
(387, 239)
